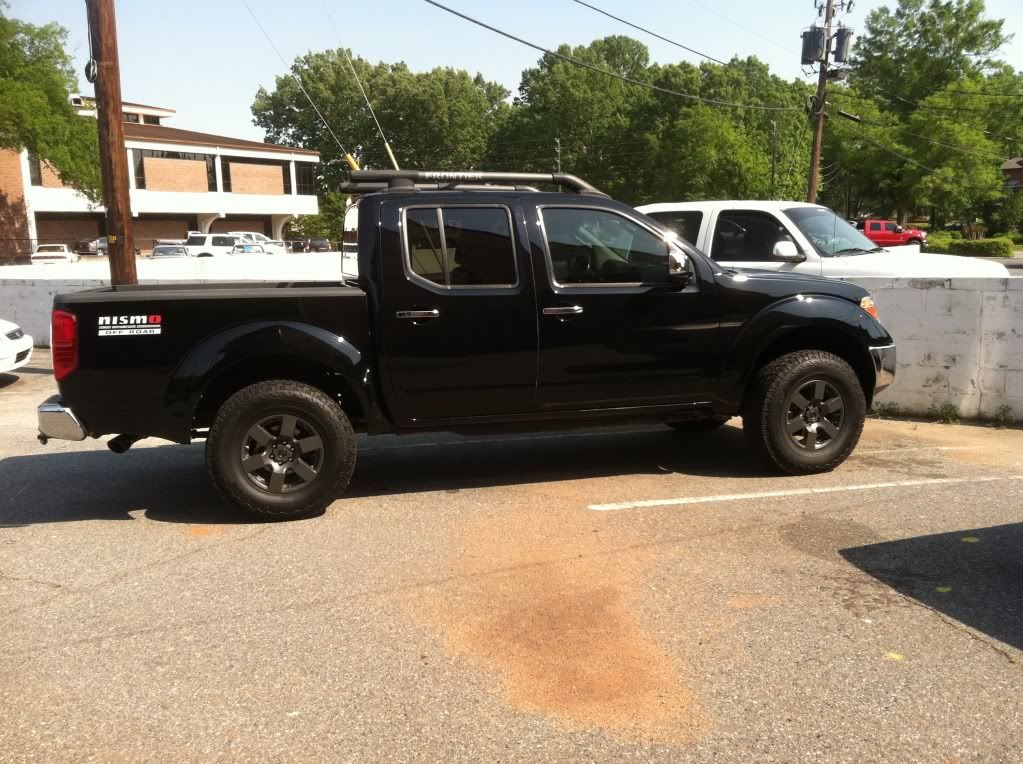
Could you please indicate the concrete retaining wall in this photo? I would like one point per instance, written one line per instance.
(960, 341)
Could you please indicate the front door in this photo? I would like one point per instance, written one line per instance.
(458, 314)
(614, 331)
(746, 239)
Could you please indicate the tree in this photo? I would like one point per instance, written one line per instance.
(442, 118)
(923, 46)
(36, 81)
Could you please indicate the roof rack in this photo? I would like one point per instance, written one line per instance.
(370, 188)
(365, 181)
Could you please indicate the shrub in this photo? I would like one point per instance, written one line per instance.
(939, 242)
(947, 413)
(1002, 247)
(955, 234)
(1004, 416)
(887, 410)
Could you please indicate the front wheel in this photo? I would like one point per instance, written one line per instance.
(805, 412)
(281, 449)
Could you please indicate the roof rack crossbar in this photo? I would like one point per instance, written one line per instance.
(404, 179)
(369, 188)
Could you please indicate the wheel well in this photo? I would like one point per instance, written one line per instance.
(292, 368)
(829, 341)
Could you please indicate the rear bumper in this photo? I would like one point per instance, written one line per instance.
(56, 421)
(884, 366)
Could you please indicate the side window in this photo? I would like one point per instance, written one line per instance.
(461, 246)
(196, 241)
(746, 236)
(599, 247)
(224, 241)
(685, 224)
(890, 227)
(875, 226)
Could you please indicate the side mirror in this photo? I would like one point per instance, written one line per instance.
(678, 270)
(787, 252)
(899, 229)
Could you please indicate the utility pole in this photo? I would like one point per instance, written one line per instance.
(557, 145)
(822, 87)
(105, 71)
(774, 157)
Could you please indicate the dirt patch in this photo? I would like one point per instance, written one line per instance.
(539, 599)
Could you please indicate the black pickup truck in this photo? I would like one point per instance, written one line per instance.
(478, 307)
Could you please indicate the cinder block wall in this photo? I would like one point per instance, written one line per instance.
(960, 341)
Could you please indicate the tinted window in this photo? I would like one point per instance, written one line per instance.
(875, 226)
(746, 236)
(600, 247)
(305, 178)
(890, 227)
(224, 241)
(35, 170)
(475, 250)
(685, 224)
(196, 241)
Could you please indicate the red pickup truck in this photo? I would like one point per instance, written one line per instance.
(888, 233)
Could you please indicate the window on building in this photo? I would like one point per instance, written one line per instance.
(150, 120)
(225, 174)
(589, 246)
(133, 118)
(35, 170)
(475, 249)
(140, 166)
(305, 178)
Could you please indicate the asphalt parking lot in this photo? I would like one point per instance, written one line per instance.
(602, 595)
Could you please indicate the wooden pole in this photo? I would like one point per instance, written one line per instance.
(818, 128)
(112, 154)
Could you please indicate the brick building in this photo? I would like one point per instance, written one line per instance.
(1012, 170)
(180, 181)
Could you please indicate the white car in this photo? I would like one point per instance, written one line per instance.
(53, 253)
(805, 238)
(210, 244)
(15, 347)
(270, 246)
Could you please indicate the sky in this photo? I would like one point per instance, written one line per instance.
(207, 58)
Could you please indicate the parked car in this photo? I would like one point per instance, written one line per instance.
(210, 244)
(270, 246)
(296, 245)
(888, 233)
(248, 249)
(796, 237)
(318, 245)
(529, 309)
(15, 347)
(164, 251)
(92, 246)
(50, 254)
(168, 242)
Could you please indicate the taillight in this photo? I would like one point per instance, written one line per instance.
(64, 343)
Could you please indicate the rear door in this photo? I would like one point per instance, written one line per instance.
(458, 312)
(614, 332)
(745, 238)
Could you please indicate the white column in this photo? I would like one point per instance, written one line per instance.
(220, 174)
(131, 169)
(294, 185)
(26, 194)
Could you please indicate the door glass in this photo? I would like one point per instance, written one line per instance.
(890, 227)
(741, 236)
(875, 226)
(476, 249)
(599, 247)
(686, 224)
(426, 259)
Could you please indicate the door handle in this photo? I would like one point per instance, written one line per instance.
(565, 310)
(417, 315)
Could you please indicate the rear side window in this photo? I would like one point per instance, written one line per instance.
(224, 241)
(196, 241)
(875, 226)
(458, 247)
(685, 224)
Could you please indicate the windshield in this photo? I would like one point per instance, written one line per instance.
(829, 234)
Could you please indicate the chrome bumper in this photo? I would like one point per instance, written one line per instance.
(884, 366)
(58, 422)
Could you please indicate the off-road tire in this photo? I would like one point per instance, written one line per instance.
(766, 411)
(699, 425)
(230, 436)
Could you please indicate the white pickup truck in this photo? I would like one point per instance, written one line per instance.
(806, 238)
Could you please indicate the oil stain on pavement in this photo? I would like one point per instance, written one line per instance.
(538, 599)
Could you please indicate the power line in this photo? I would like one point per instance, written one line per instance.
(362, 90)
(608, 72)
(649, 32)
(298, 78)
(954, 146)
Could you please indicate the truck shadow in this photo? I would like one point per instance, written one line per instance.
(169, 483)
(973, 576)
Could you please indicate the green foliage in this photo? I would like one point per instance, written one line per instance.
(939, 242)
(1002, 247)
(1004, 416)
(946, 413)
(1010, 215)
(36, 80)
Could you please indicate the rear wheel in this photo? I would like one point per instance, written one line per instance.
(281, 449)
(805, 412)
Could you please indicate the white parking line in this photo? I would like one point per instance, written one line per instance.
(793, 492)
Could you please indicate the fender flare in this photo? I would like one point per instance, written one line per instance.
(229, 349)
